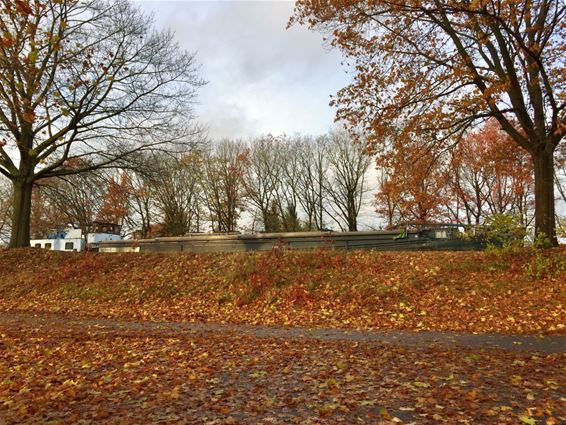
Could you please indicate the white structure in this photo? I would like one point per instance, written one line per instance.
(73, 239)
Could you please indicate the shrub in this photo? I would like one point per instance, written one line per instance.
(503, 231)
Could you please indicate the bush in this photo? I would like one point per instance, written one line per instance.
(503, 231)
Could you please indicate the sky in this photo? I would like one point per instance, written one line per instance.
(262, 78)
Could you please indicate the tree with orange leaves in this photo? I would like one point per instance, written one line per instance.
(433, 69)
(115, 206)
(413, 184)
(491, 175)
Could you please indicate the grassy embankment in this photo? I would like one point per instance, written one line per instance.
(520, 292)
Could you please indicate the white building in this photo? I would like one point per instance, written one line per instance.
(70, 239)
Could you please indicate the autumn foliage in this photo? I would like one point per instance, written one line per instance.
(93, 371)
(114, 206)
(413, 184)
(492, 175)
(432, 70)
(486, 174)
(510, 293)
(104, 334)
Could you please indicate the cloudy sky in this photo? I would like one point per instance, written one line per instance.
(262, 78)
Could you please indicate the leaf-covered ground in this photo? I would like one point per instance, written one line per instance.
(513, 293)
(68, 373)
(81, 339)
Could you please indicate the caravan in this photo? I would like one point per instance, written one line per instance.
(71, 239)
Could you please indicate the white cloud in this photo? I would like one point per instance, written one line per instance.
(262, 77)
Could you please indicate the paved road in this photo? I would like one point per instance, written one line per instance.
(12, 321)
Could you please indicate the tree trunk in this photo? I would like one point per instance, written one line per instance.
(545, 220)
(352, 222)
(21, 214)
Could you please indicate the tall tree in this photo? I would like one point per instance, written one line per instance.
(45, 216)
(346, 184)
(490, 174)
(561, 172)
(262, 177)
(386, 199)
(433, 69)
(141, 181)
(176, 192)
(140, 204)
(413, 186)
(288, 193)
(224, 167)
(312, 171)
(560, 179)
(114, 206)
(84, 79)
(75, 199)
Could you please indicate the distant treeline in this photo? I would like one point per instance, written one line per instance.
(299, 183)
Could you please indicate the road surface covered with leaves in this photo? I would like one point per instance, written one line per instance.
(60, 369)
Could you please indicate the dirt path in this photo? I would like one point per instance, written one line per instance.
(71, 325)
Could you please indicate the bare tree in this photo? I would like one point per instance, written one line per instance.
(87, 80)
(77, 199)
(176, 194)
(561, 172)
(346, 183)
(141, 202)
(560, 181)
(224, 166)
(288, 192)
(262, 178)
(312, 170)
